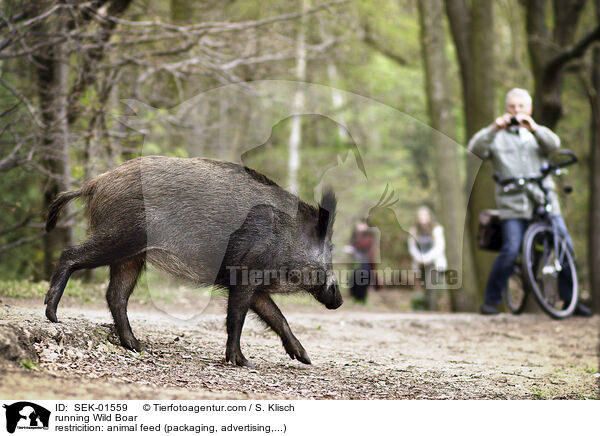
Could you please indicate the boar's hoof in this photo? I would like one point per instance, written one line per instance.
(298, 352)
(51, 314)
(237, 358)
(132, 344)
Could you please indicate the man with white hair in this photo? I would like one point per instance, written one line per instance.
(517, 146)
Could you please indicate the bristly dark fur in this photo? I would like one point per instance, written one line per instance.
(261, 178)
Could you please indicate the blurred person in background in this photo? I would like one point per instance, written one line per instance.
(426, 245)
(362, 245)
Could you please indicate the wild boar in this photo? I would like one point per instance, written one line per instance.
(211, 222)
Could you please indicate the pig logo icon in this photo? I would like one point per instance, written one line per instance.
(26, 415)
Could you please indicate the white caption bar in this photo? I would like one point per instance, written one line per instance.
(296, 417)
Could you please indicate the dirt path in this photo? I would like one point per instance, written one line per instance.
(355, 355)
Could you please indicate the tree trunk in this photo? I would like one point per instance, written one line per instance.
(52, 75)
(460, 27)
(482, 113)
(547, 105)
(551, 50)
(594, 201)
(337, 99)
(181, 12)
(473, 36)
(224, 151)
(296, 129)
(452, 199)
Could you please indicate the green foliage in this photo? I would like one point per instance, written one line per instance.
(76, 289)
(396, 151)
(28, 364)
(538, 393)
(20, 200)
(245, 10)
(23, 289)
(153, 289)
(419, 302)
(299, 299)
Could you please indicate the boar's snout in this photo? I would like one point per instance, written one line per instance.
(333, 297)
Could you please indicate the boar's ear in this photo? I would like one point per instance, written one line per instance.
(326, 212)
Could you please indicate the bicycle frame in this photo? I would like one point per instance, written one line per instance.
(542, 212)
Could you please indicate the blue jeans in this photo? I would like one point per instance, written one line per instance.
(513, 231)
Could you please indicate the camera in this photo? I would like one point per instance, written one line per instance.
(514, 122)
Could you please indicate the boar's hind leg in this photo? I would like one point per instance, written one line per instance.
(90, 254)
(123, 277)
(268, 311)
(97, 251)
(237, 307)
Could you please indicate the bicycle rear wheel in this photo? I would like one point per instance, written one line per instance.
(516, 292)
(546, 267)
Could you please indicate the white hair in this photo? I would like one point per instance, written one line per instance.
(519, 92)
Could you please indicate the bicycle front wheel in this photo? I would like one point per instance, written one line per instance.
(550, 273)
(516, 292)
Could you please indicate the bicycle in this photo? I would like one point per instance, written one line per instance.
(545, 253)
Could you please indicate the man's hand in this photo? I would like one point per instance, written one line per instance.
(501, 122)
(527, 122)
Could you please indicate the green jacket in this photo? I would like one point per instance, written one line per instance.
(515, 154)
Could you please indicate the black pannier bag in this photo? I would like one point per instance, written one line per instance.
(489, 235)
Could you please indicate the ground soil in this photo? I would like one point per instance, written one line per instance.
(379, 351)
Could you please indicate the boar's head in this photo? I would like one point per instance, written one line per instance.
(311, 251)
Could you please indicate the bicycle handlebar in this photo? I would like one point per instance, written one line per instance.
(572, 155)
(520, 182)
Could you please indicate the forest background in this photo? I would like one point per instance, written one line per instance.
(68, 69)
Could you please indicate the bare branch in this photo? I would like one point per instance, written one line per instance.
(575, 51)
(24, 14)
(384, 49)
(11, 161)
(226, 26)
(14, 159)
(93, 55)
(6, 112)
(16, 226)
(21, 241)
(51, 175)
(24, 100)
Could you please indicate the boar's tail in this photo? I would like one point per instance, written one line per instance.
(58, 203)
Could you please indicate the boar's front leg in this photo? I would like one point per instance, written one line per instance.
(268, 311)
(238, 304)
